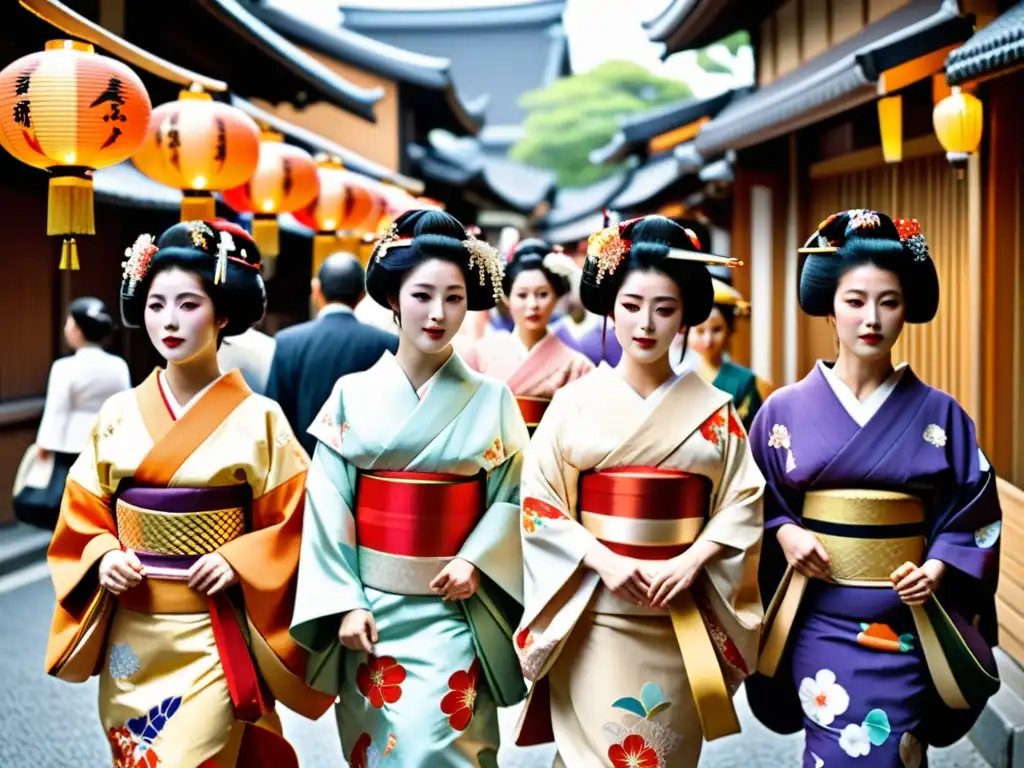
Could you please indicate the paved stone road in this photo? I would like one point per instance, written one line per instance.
(49, 724)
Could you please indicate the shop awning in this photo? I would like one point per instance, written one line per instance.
(686, 24)
(992, 50)
(838, 80)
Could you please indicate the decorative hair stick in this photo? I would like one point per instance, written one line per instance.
(706, 258)
(830, 249)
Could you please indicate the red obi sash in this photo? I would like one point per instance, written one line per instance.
(417, 514)
(532, 409)
(644, 512)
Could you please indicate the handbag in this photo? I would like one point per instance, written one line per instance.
(33, 471)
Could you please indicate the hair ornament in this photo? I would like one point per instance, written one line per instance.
(862, 219)
(607, 248)
(387, 240)
(913, 238)
(225, 245)
(137, 259)
(485, 257)
(559, 264)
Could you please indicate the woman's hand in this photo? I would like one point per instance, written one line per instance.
(803, 551)
(210, 574)
(358, 631)
(624, 577)
(916, 584)
(679, 573)
(120, 571)
(459, 580)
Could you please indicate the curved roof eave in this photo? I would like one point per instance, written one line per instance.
(346, 95)
(539, 13)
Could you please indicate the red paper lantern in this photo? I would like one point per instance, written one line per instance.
(285, 180)
(199, 146)
(68, 110)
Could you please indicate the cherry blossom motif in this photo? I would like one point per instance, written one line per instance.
(779, 438)
(863, 219)
(458, 702)
(524, 639)
(935, 435)
(854, 740)
(822, 698)
(633, 752)
(495, 454)
(713, 430)
(380, 679)
(536, 511)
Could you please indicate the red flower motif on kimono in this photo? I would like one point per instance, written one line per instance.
(495, 454)
(735, 426)
(712, 430)
(535, 510)
(524, 639)
(458, 703)
(633, 752)
(128, 753)
(358, 757)
(718, 635)
(380, 680)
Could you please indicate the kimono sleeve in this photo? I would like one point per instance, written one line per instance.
(328, 584)
(266, 560)
(494, 545)
(780, 507)
(966, 533)
(85, 532)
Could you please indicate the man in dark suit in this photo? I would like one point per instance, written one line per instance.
(312, 356)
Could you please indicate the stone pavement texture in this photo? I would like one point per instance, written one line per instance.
(45, 723)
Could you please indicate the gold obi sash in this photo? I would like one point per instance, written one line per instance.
(868, 534)
(650, 513)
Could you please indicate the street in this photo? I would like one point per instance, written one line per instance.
(50, 724)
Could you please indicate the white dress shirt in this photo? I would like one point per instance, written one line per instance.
(79, 384)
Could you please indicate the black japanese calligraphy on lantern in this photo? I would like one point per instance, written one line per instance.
(222, 144)
(287, 182)
(113, 98)
(23, 107)
(173, 141)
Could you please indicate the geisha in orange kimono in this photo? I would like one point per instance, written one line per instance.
(175, 555)
(534, 362)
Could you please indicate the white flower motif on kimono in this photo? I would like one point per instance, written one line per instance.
(987, 536)
(854, 740)
(935, 435)
(779, 438)
(822, 698)
(123, 662)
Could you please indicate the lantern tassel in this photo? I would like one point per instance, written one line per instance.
(266, 234)
(198, 206)
(324, 244)
(69, 254)
(70, 206)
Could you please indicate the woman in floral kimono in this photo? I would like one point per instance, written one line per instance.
(710, 340)
(411, 570)
(533, 362)
(882, 521)
(641, 524)
(175, 553)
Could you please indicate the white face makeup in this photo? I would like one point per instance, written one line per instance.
(869, 311)
(180, 316)
(531, 300)
(648, 314)
(432, 305)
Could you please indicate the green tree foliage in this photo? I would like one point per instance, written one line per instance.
(575, 115)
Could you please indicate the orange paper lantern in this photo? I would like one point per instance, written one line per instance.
(325, 214)
(199, 146)
(365, 204)
(285, 180)
(70, 111)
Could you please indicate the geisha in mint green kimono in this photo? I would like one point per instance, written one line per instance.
(410, 576)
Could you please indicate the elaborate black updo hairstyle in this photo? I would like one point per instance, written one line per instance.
(853, 238)
(645, 244)
(531, 254)
(419, 235)
(221, 253)
(92, 318)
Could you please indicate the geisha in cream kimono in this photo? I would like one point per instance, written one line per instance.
(620, 683)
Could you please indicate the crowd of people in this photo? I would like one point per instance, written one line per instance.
(600, 516)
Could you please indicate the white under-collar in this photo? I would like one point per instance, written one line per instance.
(177, 409)
(862, 411)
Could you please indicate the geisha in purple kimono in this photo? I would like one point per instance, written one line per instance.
(882, 523)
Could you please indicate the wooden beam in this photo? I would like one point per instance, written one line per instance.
(665, 141)
(863, 159)
(910, 72)
(70, 23)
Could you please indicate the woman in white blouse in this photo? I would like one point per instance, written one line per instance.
(79, 384)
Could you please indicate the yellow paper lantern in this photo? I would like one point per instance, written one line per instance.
(68, 110)
(199, 146)
(285, 180)
(959, 121)
(890, 126)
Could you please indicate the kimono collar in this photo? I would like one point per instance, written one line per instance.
(179, 409)
(861, 411)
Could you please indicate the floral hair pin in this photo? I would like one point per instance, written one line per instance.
(913, 238)
(137, 259)
(388, 240)
(606, 248)
(485, 258)
(557, 263)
